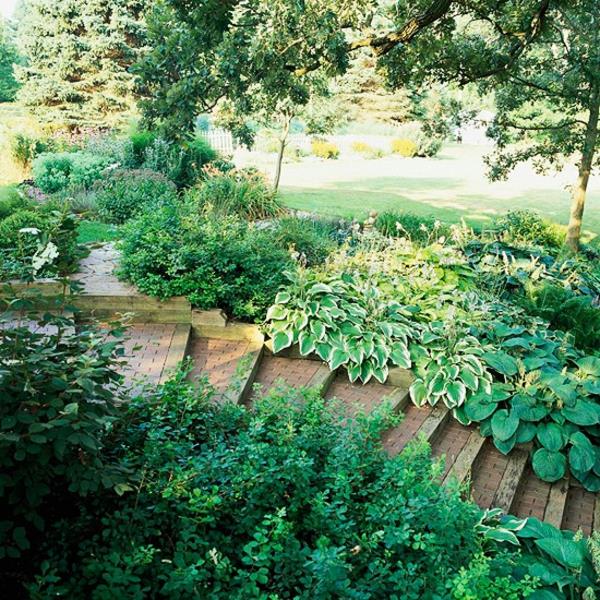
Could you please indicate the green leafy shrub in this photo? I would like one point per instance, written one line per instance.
(53, 172)
(139, 143)
(324, 149)
(37, 242)
(527, 227)
(217, 262)
(182, 164)
(312, 239)
(233, 503)
(241, 192)
(126, 192)
(57, 399)
(420, 230)
(428, 145)
(404, 147)
(566, 311)
(24, 149)
(12, 201)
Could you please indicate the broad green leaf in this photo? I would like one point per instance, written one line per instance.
(469, 378)
(437, 385)
(338, 358)
(282, 298)
(277, 312)
(501, 362)
(366, 371)
(418, 392)
(353, 372)
(504, 424)
(589, 365)
(281, 340)
(550, 435)
(318, 329)
(320, 288)
(306, 343)
(355, 352)
(457, 392)
(549, 466)
(505, 446)
(324, 351)
(564, 551)
(380, 373)
(582, 455)
(583, 413)
(526, 432)
(478, 410)
(400, 356)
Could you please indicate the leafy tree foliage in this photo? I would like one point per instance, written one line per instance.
(534, 52)
(8, 57)
(548, 104)
(78, 57)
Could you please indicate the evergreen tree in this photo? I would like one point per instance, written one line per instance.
(78, 56)
(8, 58)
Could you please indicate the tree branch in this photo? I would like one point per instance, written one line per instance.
(383, 44)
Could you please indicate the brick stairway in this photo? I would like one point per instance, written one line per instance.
(238, 365)
(495, 479)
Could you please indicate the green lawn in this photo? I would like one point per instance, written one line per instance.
(94, 231)
(450, 187)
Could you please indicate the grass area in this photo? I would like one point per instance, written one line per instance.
(7, 191)
(451, 186)
(94, 231)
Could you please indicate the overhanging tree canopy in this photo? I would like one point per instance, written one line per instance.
(205, 51)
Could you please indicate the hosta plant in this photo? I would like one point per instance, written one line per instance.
(448, 366)
(344, 320)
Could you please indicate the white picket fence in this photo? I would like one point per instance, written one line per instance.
(221, 140)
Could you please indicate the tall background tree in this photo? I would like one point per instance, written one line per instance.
(8, 58)
(78, 56)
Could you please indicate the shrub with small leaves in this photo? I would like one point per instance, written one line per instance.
(325, 149)
(125, 193)
(404, 147)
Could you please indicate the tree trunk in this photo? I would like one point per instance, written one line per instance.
(282, 144)
(585, 169)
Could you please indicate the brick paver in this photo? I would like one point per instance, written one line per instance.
(218, 360)
(532, 496)
(486, 477)
(356, 396)
(396, 439)
(146, 348)
(450, 442)
(289, 371)
(579, 510)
